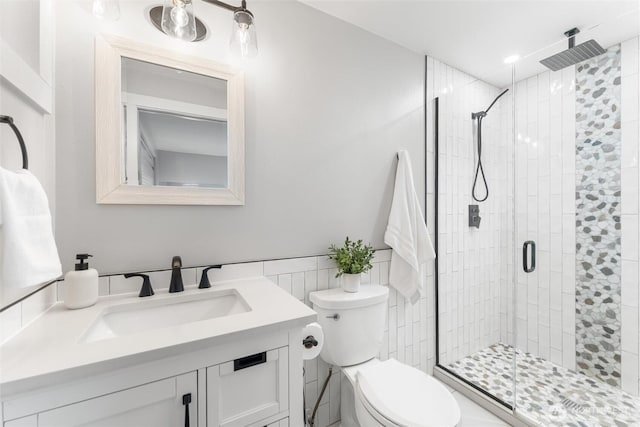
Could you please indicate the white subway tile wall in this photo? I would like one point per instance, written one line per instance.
(19, 315)
(545, 209)
(630, 241)
(473, 265)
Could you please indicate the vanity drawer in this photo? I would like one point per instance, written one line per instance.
(246, 390)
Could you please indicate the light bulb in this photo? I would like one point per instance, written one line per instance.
(98, 8)
(244, 39)
(179, 16)
(178, 19)
(243, 35)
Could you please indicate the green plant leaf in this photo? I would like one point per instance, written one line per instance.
(352, 257)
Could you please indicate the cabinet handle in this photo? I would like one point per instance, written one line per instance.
(249, 361)
(529, 268)
(186, 399)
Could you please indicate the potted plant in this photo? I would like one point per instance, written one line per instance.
(353, 258)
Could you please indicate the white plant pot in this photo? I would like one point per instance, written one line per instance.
(350, 282)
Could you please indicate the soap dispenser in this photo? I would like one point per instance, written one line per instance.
(80, 287)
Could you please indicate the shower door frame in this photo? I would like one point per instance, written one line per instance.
(436, 273)
(442, 370)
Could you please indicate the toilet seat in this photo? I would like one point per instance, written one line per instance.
(400, 395)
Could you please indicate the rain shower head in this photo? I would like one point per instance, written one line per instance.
(574, 54)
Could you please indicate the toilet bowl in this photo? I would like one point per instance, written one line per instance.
(391, 393)
(373, 392)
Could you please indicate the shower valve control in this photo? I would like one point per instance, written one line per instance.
(474, 216)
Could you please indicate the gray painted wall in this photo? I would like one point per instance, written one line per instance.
(327, 107)
(20, 29)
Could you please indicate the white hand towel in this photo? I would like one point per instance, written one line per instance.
(407, 234)
(28, 252)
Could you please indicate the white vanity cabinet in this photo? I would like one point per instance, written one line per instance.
(232, 386)
(157, 404)
(241, 369)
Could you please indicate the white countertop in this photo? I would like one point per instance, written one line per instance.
(52, 344)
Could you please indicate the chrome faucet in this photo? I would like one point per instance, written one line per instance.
(176, 275)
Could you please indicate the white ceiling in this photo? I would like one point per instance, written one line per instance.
(145, 78)
(476, 35)
(168, 132)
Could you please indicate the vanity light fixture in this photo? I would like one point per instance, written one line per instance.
(176, 18)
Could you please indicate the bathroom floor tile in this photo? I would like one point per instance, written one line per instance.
(473, 415)
(546, 393)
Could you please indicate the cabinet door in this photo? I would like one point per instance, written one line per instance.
(240, 394)
(156, 404)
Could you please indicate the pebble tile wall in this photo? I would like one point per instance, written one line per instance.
(598, 210)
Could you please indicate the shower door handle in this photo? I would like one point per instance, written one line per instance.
(528, 268)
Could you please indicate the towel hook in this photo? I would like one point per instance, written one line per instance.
(25, 158)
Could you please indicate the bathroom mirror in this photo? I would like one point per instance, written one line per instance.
(169, 127)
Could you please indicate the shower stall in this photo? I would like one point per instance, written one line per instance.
(537, 301)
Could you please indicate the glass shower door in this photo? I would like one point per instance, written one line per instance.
(576, 211)
(474, 234)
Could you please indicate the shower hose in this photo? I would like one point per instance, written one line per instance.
(479, 168)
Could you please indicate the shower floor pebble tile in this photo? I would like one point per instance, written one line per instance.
(548, 394)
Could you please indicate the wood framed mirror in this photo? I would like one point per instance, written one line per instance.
(169, 127)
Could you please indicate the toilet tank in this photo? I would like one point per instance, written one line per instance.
(353, 323)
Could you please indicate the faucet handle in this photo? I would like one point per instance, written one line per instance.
(146, 290)
(204, 279)
(176, 262)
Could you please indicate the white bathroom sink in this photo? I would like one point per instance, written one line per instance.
(172, 310)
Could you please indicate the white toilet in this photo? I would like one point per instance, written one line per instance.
(375, 393)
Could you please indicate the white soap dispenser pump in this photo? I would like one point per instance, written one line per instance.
(80, 288)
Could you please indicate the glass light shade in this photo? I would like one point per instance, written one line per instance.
(243, 35)
(107, 10)
(178, 19)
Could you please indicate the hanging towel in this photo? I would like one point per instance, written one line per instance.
(28, 253)
(407, 235)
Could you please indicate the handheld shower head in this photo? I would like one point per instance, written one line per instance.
(479, 169)
(483, 114)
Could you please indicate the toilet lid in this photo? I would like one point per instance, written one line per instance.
(407, 396)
